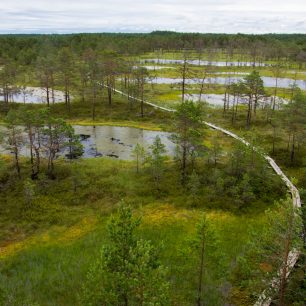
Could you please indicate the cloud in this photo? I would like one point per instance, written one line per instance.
(231, 16)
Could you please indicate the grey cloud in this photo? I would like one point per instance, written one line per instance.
(232, 16)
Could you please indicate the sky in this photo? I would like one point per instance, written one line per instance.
(206, 16)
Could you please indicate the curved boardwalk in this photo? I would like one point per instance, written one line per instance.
(264, 299)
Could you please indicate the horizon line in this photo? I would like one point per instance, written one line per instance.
(149, 32)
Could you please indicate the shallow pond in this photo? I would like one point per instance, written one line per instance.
(205, 63)
(111, 141)
(268, 81)
(218, 100)
(34, 95)
(155, 67)
(118, 142)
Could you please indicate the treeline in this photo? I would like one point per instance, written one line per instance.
(43, 135)
(88, 76)
(39, 138)
(25, 49)
(200, 168)
(289, 118)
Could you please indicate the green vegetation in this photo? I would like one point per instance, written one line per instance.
(208, 226)
(266, 263)
(68, 214)
(128, 271)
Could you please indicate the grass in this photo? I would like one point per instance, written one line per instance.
(50, 269)
(51, 273)
(211, 72)
(120, 113)
(47, 245)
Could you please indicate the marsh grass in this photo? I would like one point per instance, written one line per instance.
(47, 246)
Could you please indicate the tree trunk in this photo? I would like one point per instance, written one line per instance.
(184, 164)
(273, 140)
(233, 109)
(142, 98)
(292, 153)
(53, 97)
(31, 151)
(184, 80)
(288, 143)
(249, 113)
(109, 92)
(199, 298)
(94, 103)
(224, 103)
(137, 163)
(125, 299)
(255, 106)
(48, 97)
(275, 92)
(37, 170)
(16, 154)
(202, 87)
(236, 109)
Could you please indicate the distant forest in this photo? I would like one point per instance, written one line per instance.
(24, 49)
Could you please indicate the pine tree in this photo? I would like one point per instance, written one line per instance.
(157, 160)
(188, 124)
(206, 254)
(139, 154)
(128, 271)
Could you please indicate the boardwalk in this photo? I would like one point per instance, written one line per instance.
(264, 299)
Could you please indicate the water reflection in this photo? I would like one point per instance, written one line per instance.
(268, 81)
(218, 100)
(34, 95)
(206, 63)
(109, 141)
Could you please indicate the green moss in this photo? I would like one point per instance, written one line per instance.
(47, 245)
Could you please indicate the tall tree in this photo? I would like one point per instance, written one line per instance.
(184, 71)
(140, 75)
(236, 89)
(156, 161)
(66, 71)
(45, 70)
(57, 136)
(295, 122)
(92, 76)
(277, 71)
(188, 125)
(281, 235)
(253, 88)
(8, 75)
(206, 254)
(111, 69)
(128, 271)
(33, 122)
(139, 154)
(14, 138)
(193, 186)
(204, 73)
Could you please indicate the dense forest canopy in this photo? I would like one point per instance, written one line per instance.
(25, 48)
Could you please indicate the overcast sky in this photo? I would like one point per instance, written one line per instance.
(214, 16)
